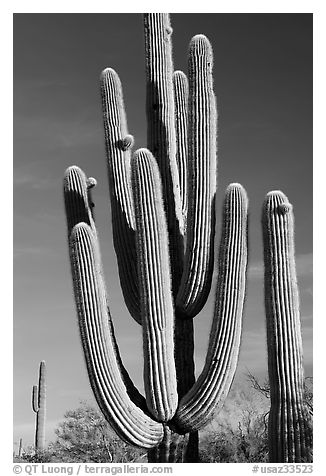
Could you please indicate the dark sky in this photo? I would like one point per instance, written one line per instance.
(263, 84)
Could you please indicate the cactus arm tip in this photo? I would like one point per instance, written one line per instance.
(91, 183)
(77, 196)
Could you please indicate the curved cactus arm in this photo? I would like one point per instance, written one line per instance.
(118, 150)
(181, 92)
(288, 434)
(208, 394)
(161, 139)
(79, 208)
(202, 117)
(155, 287)
(129, 421)
(35, 406)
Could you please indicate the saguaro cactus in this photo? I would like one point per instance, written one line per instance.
(20, 447)
(163, 220)
(289, 431)
(39, 407)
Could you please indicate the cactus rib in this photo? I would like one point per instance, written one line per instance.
(181, 92)
(288, 431)
(209, 392)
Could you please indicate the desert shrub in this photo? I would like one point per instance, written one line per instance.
(245, 444)
(29, 456)
(85, 436)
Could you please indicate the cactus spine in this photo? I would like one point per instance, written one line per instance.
(39, 407)
(163, 219)
(289, 432)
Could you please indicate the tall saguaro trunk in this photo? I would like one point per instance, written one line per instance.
(289, 426)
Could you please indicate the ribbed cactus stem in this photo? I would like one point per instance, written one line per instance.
(288, 429)
(172, 448)
(184, 356)
(155, 287)
(39, 407)
(118, 150)
(181, 92)
(202, 116)
(127, 419)
(208, 394)
(161, 138)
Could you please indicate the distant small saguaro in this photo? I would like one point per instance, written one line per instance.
(39, 407)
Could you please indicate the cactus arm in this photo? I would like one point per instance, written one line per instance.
(35, 399)
(209, 392)
(199, 258)
(118, 150)
(118, 142)
(161, 140)
(181, 92)
(155, 287)
(129, 421)
(288, 434)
